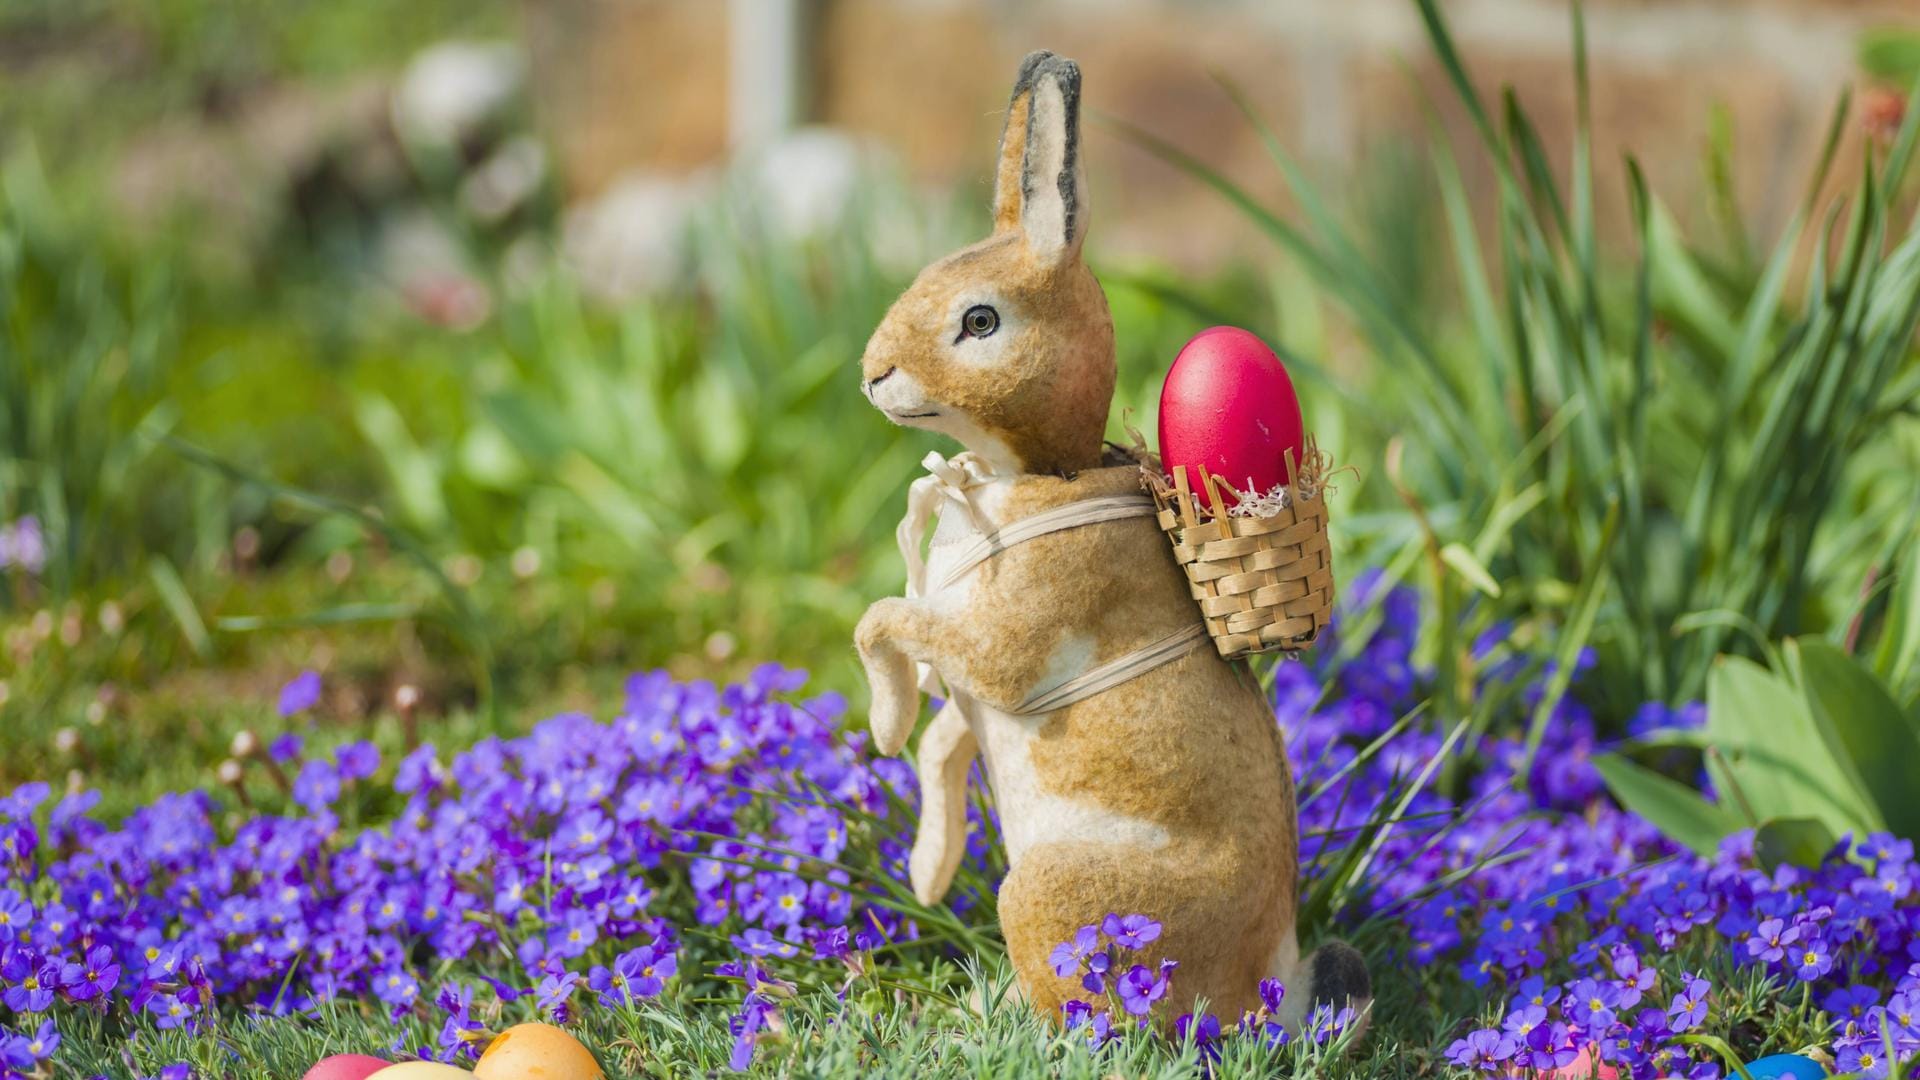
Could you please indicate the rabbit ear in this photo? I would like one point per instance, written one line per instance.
(1041, 187)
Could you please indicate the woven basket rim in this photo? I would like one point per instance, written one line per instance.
(1309, 481)
(1267, 588)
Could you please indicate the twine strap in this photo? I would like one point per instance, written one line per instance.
(1114, 672)
(1059, 519)
(955, 481)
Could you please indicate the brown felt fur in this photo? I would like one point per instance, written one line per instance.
(1168, 795)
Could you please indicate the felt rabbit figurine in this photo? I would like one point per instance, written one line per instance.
(1134, 770)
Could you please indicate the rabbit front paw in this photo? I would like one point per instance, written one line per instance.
(893, 713)
(890, 673)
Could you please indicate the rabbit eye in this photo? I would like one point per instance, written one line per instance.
(979, 321)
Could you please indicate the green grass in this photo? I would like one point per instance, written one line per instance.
(925, 1017)
(876, 1031)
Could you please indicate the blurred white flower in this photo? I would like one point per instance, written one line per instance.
(805, 182)
(451, 89)
(506, 180)
(632, 239)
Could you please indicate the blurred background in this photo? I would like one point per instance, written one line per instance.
(476, 352)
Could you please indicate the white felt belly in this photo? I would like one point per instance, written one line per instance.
(1029, 814)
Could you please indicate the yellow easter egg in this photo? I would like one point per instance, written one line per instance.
(536, 1052)
(421, 1070)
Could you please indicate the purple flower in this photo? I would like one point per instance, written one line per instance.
(1634, 979)
(1549, 1047)
(95, 976)
(1850, 1003)
(1885, 847)
(553, 992)
(1521, 1021)
(286, 749)
(1812, 959)
(301, 694)
(1485, 1050)
(1591, 1004)
(418, 771)
(317, 787)
(1098, 964)
(1903, 1012)
(1141, 987)
(1204, 1033)
(357, 760)
(168, 1010)
(637, 973)
(1771, 940)
(1688, 1010)
(1325, 1024)
(746, 1026)
(22, 544)
(1068, 956)
(1078, 1014)
(758, 942)
(30, 982)
(1130, 931)
(1861, 1053)
(16, 915)
(25, 1052)
(397, 987)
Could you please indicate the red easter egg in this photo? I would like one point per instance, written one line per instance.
(1229, 406)
(345, 1067)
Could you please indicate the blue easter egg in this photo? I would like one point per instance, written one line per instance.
(1786, 1067)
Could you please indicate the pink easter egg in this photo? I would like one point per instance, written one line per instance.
(1228, 406)
(345, 1067)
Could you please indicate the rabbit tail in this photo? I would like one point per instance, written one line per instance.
(1334, 977)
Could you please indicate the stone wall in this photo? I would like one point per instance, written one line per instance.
(642, 83)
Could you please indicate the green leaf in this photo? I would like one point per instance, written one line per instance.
(1898, 656)
(179, 603)
(1680, 286)
(417, 475)
(1674, 808)
(1799, 841)
(1873, 740)
(488, 458)
(1891, 53)
(1463, 561)
(1721, 1047)
(1771, 752)
(1573, 637)
(339, 615)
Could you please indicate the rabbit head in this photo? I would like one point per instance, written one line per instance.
(1007, 345)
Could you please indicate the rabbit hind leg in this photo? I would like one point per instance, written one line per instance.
(947, 750)
(1207, 924)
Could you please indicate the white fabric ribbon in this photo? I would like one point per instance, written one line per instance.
(947, 480)
(954, 480)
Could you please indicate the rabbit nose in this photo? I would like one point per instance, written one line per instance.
(882, 377)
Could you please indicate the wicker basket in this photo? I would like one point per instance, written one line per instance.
(1264, 583)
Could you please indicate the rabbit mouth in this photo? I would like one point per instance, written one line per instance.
(911, 415)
